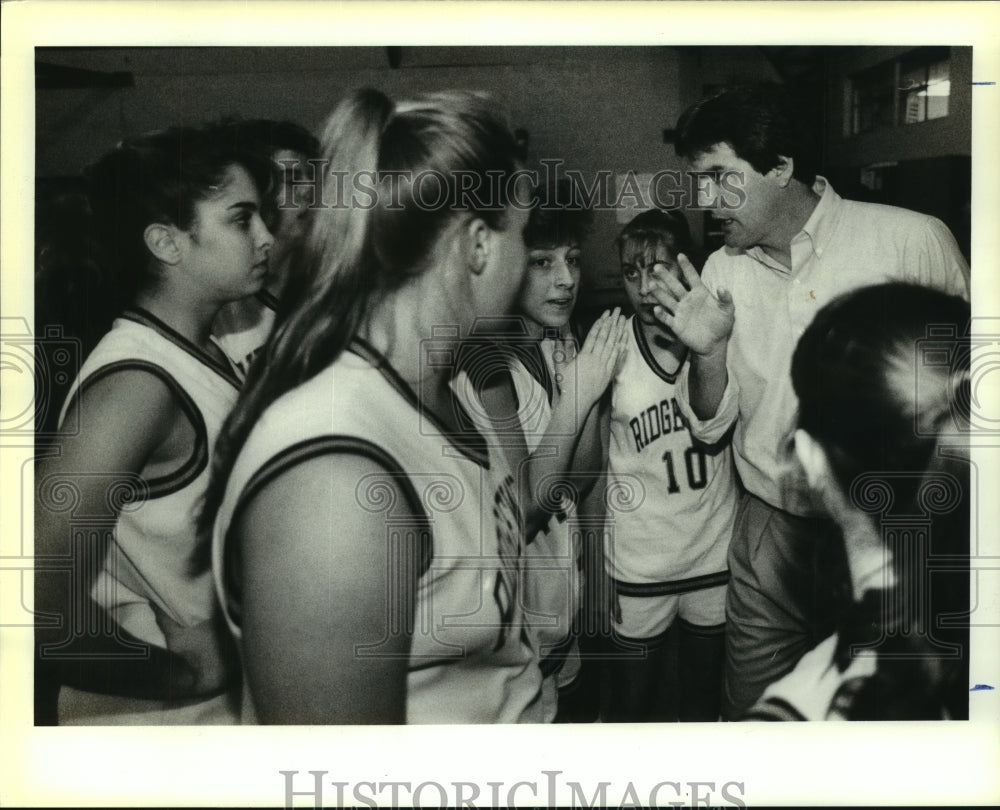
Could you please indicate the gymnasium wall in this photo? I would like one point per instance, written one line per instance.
(595, 108)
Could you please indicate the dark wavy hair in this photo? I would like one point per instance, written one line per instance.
(158, 177)
(267, 136)
(760, 122)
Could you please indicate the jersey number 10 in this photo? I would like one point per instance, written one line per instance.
(694, 461)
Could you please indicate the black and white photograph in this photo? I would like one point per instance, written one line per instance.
(500, 404)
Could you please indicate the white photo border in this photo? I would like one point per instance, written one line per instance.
(811, 764)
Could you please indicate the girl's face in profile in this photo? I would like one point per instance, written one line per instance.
(226, 250)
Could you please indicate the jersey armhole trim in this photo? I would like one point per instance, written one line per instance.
(531, 358)
(298, 454)
(198, 460)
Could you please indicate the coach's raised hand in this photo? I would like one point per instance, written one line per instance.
(701, 321)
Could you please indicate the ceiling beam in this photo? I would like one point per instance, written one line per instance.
(61, 77)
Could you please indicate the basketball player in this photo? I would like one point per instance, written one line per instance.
(558, 387)
(242, 327)
(665, 552)
(366, 532)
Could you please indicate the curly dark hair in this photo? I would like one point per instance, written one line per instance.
(760, 123)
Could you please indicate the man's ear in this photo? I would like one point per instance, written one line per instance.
(812, 457)
(784, 170)
(480, 243)
(161, 242)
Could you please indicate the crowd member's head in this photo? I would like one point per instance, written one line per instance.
(868, 401)
(648, 246)
(181, 205)
(557, 226)
(881, 375)
(416, 227)
(758, 161)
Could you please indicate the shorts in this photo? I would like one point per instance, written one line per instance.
(648, 610)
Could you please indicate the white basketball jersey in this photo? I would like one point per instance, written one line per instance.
(677, 528)
(472, 659)
(242, 328)
(154, 537)
(553, 566)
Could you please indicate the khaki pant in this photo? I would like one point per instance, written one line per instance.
(785, 575)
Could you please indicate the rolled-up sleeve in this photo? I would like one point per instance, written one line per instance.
(710, 430)
(714, 428)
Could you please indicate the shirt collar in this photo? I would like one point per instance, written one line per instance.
(818, 228)
(822, 222)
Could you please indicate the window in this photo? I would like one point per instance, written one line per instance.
(907, 90)
(924, 86)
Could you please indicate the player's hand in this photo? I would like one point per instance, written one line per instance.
(203, 652)
(589, 371)
(701, 321)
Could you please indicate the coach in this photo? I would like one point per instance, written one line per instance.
(791, 245)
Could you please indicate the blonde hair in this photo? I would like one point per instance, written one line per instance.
(351, 251)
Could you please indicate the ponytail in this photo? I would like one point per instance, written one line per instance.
(355, 250)
(328, 297)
